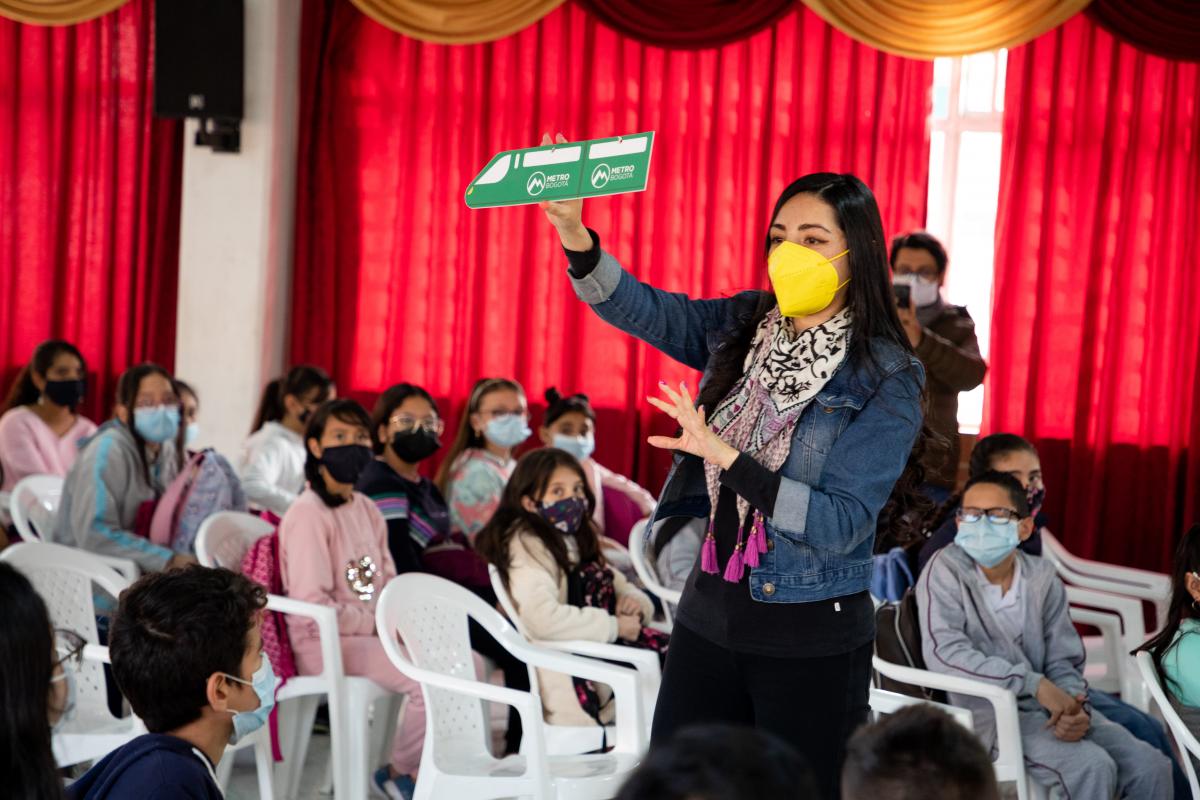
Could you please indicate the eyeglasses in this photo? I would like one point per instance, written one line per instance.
(406, 424)
(996, 515)
(68, 645)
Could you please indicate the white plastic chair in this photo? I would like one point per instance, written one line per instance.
(1153, 587)
(647, 573)
(222, 541)
(33, 506)
(1010, 754)
(64, 577)
(1185, 740)
(568, 738)
(1119, 619)
(430, 615)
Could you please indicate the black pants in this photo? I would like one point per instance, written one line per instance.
(516, 676)
(814, 704)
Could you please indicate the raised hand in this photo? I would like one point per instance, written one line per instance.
(696, 437)
(566, 215)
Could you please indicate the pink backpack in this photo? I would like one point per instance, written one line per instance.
(261, 565)
(206, 484)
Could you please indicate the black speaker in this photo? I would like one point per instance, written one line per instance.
(199, 55)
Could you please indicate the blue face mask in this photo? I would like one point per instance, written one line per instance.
(191, 434)
(507, 431)
(986, 542)
(156, 424)
(247, 722)
(581, 447)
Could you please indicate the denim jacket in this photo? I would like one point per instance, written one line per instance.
(849, 447)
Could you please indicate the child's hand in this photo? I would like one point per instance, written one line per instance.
(1056, 701)
(629, 606)
(629, 627)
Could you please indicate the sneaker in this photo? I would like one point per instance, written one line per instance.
(400, 788)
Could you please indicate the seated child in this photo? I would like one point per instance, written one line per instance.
(186, 650)
(543, 541)
(992, 613)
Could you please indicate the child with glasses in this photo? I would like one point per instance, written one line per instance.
(992, 613)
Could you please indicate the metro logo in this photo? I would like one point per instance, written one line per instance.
(563, 171)
(535, 184)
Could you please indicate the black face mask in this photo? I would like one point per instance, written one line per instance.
(346, 462)
(415, 445)
(64, 393)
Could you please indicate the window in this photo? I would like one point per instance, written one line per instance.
(964, 183)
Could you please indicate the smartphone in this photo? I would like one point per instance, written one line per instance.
(903, 295)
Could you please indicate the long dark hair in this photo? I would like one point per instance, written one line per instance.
(466, 437)
(530, 479)
(1187, 559)
(298, 382)
(127, 390)
(26, 646)
(347, 411)
(387, 404)
(23, 391)
(873, 319)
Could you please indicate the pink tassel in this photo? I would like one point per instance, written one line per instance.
(735, 567)
(752, 554)
(760, 531)
(708, 555)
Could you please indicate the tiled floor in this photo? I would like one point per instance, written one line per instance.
(244, 783)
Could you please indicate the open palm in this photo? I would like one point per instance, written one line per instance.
(695, 436)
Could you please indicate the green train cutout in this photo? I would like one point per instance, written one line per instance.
(565, 171)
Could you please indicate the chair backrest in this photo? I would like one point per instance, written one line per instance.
(639, 541)
(34, 505)
(430, 614)
(506, 601)
(65, 578)
(225, 537)
(1189, 746)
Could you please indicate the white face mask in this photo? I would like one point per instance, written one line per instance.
(924, 291)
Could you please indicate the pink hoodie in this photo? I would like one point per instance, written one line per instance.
(29, 447)
(336, 557)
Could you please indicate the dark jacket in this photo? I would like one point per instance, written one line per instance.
(151, 767)
(950, 353)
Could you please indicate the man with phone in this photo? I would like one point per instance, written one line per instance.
(943, 336)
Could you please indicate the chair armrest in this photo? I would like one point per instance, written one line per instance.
(96, 652)
(325, 618)
(1127, 609)
(126, 568)
(644, 661)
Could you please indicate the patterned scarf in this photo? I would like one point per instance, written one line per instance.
(783, 372)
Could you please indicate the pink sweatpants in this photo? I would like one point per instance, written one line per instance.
(364, 656)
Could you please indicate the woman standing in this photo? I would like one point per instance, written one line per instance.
(810, 406)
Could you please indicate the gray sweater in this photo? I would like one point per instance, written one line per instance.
(961, 636)
(103, 492)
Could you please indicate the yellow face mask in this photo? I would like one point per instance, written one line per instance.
(805, 281)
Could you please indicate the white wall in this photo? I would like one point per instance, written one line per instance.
(236, 237)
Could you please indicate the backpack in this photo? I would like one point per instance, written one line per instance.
(898, 641)
(590, 585)
(261, 565)
(206, 484)
(891, 576)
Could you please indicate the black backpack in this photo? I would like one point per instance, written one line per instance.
(898, 641)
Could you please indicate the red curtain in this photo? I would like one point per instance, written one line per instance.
(397, 280)
(1095, 331)
(90, 187)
